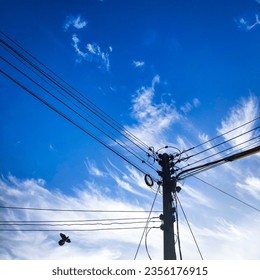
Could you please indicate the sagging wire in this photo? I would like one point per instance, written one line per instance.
(146, 246)
(147, 222)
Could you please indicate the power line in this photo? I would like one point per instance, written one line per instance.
(75, 224)
(76, 210)
(224, 192)
(197, 169)
(76, 124)
(147, 223)
(224, 142)
(177, 226)
(225, 150)
(85, 119)
(193, 236)
(95, 229)
(145, 242)
(74, 221)
(221, 135)
(92, 107)
(119, 142)
(87, 99)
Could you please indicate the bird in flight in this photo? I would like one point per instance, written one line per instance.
(64, 239)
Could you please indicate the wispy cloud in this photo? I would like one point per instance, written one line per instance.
(138, 64)
(153, 119)
(75, 43)
(93, 53)
(92, 169)
(188, 106)
(245, 111)
(76, 22)
(96, 54)
(251, 185)
(194, 197)
(246, 25)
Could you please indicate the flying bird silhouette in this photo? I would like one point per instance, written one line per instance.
(64, 239)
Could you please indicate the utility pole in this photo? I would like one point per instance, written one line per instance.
(168, 217)
(169, 187)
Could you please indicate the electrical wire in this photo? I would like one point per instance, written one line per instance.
(223, 134)
(224, 142)
(96, 107)
(93, 108)
(225, 150)
(99, 124)
(147, 223)
(145, 242)
(75, 224)
(193, 236)
(85, 119)
(76, 124)
(94, 229)
(226, 193)
(177, 226)
(77, 210)
(74, 221)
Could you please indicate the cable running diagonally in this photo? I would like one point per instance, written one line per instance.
(227, 194)
(187, 221)
(225, 150)
(85, 119)
(93, 108)
(223, 134)
(224, 142)
(78, 126)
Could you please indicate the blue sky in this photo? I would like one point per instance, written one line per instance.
(173, 73)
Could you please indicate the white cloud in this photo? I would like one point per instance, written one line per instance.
(245, 111)
(138, 64)
(153, 119)
(93, 53)
(76, 22)
(196, 102)
(245, 25)
(93, 170)
(187, 107)
(79, 52)
(252, 186)
(113, 244)
(218, 237)
(196, 197)
(93, 48)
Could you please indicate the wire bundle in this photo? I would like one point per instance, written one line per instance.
(46, 86)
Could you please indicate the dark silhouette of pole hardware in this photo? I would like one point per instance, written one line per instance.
(168, 217)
